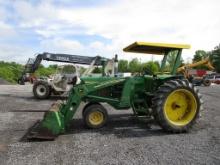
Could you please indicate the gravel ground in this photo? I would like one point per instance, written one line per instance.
(125, 139)
(4, 82)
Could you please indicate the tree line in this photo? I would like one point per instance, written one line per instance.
(11, 71)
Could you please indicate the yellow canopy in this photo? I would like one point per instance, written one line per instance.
(153, 48)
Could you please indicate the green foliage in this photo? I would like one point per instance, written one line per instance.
(134, 66)
(152, 66)
(7, 74)
(10, 71)
(46, 71)
(171, 58)
(81, 70)
(157, 64)
(199, 55)
(43, 71)
(70, 69)
(54, 66)
(97, 70)
(215, 58)
(123, 66)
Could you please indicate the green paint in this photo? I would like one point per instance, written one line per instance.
(58, 119)
(121, 93)
(177, 61)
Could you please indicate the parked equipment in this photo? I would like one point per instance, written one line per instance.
(211, 62)
(169, 98)
(56, 84)
(62, 82)
(214, 78)
(33, 63)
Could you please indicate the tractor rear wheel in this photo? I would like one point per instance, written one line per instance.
(176, 106)
(95, 116)
(41, 90)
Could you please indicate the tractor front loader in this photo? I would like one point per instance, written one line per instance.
(168, 97)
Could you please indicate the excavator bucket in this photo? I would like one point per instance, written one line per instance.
(50, 127)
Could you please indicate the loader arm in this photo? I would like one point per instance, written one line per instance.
(57, 119)
(184, 69)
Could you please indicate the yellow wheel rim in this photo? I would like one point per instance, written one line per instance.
(180, 107)
(96, 118)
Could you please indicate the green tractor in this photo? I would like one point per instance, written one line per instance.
(168, 97)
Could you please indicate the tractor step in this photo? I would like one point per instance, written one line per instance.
(36, 132)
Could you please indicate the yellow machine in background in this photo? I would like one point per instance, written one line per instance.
(185, 71)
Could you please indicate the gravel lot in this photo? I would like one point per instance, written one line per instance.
(125, 139)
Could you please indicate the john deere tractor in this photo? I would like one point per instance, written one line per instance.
(169, 98)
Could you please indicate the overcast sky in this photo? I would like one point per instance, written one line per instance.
(104, 27)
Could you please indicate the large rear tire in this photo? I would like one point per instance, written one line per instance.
(176, 106)
(41, 90)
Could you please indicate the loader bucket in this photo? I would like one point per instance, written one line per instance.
(50, 127)
(39, 132)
